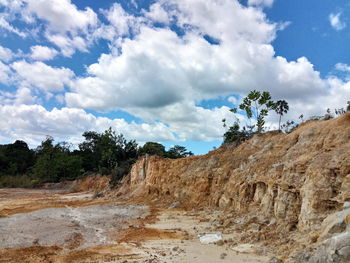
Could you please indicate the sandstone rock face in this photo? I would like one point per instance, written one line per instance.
(297, 179)
(334, 245)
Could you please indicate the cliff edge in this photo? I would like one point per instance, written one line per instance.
(290, 191)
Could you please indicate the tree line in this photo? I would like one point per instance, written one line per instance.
(106, 153)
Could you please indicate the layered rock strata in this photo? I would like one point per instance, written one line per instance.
(296, 180)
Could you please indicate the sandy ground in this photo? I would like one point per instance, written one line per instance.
(56, 226)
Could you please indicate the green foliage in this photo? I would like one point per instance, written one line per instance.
(257, 105)
(23, 181)
(178, 151)
(101, 152)
(106, 153)
(281, 107)
(55, 162)
(15, 158)
(235, 134)
(152, 148)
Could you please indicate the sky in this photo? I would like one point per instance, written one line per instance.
(166, 71)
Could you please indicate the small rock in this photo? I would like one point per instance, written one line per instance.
(220, 243)
(244, 248)
(175, 248)
(174, 204)
(36, 241)
(210, 238)
(223, 255)
(275, 260)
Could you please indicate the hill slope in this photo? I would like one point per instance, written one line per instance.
(281, 186)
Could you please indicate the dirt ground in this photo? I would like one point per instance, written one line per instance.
(58, 226)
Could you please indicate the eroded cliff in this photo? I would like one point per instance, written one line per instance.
(282, 186)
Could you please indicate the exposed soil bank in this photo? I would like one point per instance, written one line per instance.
(284, 190)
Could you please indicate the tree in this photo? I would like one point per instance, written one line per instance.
(257, 105)
(108, 153)
(235, 134)
(55, 162)
(178, 151)
(152, 148)
(16, 158)
(281, 107)
(348, 106)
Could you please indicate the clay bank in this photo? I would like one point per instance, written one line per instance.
(290, 192)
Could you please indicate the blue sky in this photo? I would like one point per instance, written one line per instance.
(166, 70)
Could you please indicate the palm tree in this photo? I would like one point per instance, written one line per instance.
(281, 108)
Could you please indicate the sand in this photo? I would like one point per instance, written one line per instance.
(56, 226)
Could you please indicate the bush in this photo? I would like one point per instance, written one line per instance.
(120, 171)
(235, 135)
(21, 181)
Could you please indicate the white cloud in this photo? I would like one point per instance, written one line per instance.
(121, 23)
(5, 72)
(6, 25)
(63, 16)
(5, 54)
(42, 53)
(336, 22)
(190, 122)
(267, 3)
(68, 45)
(169, 69)
(42, 76)
(157, 13)
(342, 67)
(62, 22)
(19, 97)
(33, 122)
(159, 75)
(234, 100)
(118, 18)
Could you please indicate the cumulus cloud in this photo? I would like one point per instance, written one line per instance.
(161, 75)
(68, 45)
(169, 69)
(5, 54)
(267, 3)
(64, 24)
(336, 22)
(42, 53)
(42, 76)
(33, 122)
(119, 19)
(173, 72)
(5, 73)
(6, 25)
(157, 13)
(62, 15)
(342, 67)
